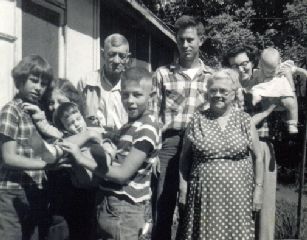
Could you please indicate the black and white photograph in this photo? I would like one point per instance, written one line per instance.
(153, 119)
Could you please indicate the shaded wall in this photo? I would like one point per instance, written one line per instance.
(153, 49)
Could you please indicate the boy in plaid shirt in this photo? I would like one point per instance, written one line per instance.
(181, 89)
(23, 200)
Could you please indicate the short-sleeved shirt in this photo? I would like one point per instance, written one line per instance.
(17, 125)
(103, 101)
(177, 95)
(144, 130)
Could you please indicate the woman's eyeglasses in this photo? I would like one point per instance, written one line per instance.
(242, 64)
(223, 92)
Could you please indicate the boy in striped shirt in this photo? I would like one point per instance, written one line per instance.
(126, 191)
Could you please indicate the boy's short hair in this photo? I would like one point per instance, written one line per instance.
(137, 74)
(186, 21)
(32, 64)
(252, 54)
(64, 111)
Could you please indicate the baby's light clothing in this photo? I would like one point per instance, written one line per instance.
(277, 87)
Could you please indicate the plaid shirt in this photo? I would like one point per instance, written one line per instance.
(18, 126)
(177, 95)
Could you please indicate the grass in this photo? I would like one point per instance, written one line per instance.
(286, 213)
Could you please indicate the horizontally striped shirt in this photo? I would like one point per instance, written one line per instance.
(17, 125)
(146, 130)
(177, 95)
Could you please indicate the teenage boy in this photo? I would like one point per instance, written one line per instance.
(180, 90)
(126, 192)
(23, 200)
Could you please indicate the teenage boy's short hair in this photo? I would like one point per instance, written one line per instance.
(233, 52)
(32, 64)
(137, 74)
(64, 111)
(186, 21)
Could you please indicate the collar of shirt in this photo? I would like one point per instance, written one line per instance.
(101, 81)
(203, 68)
(19, 101)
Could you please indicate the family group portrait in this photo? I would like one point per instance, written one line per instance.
(153, 119)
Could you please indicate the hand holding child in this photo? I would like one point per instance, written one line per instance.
(73, 149)
(35, 111)
(94, 135)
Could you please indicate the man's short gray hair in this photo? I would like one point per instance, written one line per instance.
(115, 40)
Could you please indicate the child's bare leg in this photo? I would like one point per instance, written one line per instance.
(290, 104)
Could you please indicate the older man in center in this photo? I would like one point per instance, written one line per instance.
(102, 88)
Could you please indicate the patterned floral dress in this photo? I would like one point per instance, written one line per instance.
(219, 202)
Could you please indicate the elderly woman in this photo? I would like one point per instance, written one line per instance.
(223, 189)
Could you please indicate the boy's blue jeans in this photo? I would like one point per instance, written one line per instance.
(23, 214)
(119, 219)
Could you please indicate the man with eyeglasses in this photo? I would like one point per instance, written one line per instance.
(101, 89)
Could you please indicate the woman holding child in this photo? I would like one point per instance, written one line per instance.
(68, 199)
(71, 193)
(222, 192)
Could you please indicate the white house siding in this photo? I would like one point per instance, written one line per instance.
(82, 38)
(10, 49)
(78, 45)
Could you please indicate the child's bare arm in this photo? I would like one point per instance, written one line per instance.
(259, 117)
(290, 66)
(119, 174)
(85, 136)
(12, 160)
(41, 122)
(89, 163)
(122, 173)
